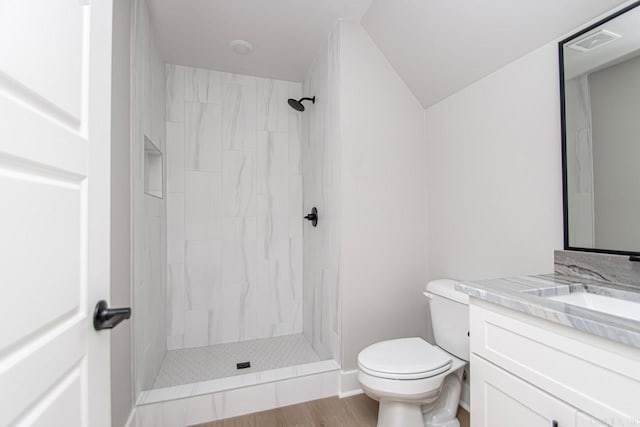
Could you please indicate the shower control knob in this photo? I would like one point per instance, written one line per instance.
(313, 217)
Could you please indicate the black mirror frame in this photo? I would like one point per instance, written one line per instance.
(565, 196)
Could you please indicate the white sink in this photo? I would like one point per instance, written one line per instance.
(609, 305)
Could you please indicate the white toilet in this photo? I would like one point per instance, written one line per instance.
(416, 383)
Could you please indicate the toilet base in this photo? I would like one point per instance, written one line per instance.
(440, 412)
(393, 413)
(452, 423)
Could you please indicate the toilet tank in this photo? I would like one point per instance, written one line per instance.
(449, 317)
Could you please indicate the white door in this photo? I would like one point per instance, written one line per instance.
(55, 84)
(499, 399)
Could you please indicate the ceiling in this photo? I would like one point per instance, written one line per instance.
(286, 34)
(437, 46)
(441, 46)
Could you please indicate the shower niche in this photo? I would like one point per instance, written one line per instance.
(234, 291)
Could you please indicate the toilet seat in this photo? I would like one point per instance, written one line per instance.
(404, 359)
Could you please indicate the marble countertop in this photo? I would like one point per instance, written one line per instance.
(528, 294)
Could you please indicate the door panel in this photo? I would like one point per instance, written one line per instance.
(45, 274)
(55, 83)
(44, 41)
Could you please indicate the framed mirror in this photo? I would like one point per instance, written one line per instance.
(600, 107)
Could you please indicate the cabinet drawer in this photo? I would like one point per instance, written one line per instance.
(499, 399)
(592, 374)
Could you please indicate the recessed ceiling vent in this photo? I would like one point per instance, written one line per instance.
(594, 41)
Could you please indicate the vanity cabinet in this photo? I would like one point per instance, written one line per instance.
(506, 400)
(526, 371)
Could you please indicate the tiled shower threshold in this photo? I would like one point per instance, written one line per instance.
(204, 370)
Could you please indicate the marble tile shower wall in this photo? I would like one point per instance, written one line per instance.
(321, 178)
(149, 237)
(234, 208)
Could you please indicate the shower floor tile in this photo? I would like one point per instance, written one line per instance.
(193, 365)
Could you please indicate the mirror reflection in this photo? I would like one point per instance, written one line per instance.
(602, 135)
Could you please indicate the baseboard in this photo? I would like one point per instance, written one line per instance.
(131, 421)
(349, 385)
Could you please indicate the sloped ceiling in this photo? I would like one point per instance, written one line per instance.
(441, 46)
(286, 34)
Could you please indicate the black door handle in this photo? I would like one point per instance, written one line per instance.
(108, 318)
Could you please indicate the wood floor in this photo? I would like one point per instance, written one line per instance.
(354, 411)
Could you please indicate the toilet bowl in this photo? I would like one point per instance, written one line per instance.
(418, 384)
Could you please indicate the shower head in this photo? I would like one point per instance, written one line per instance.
(296, 104)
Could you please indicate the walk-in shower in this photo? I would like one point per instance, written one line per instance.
(232, 287)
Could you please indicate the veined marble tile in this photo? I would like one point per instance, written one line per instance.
(296, 212)
(175, 93)
(320, 153)
(239, 183)
(175, 157)
(203, 273)
(148, 213)
(294, 91)
(175, 228)
(273, 153)
(196, 328)
(239, 250)
(272, 226)
(152, 206)
(203, 213)
(239, 279)
(231, 314)
(295, 132)
(175, 342)
(203, 133)
(296, 277)
(273, 109)
(250, 284)
(175, 299)
(239, 79)
(239, 117)
(203, 85)
(216, 321)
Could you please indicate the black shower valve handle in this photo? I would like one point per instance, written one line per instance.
(313, 217)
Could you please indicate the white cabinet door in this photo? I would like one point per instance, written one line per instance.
(55, 84)
(499, 399)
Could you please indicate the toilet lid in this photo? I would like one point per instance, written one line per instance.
(405, 358)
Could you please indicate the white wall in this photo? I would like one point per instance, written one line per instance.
(121, 372)
(494, 173)
(383, 268)
(234, 208)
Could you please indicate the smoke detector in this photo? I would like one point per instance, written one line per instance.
(594, 41)
(241, 47)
